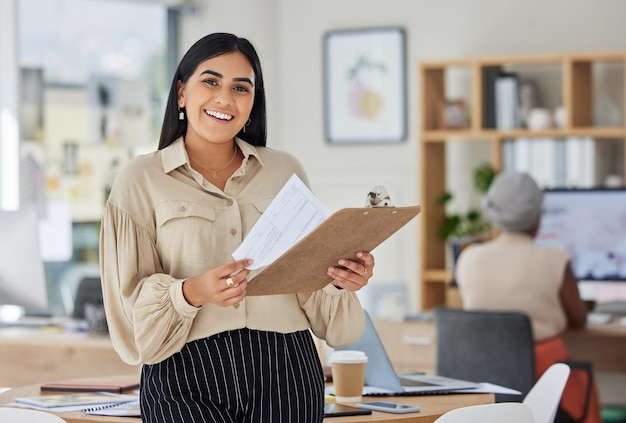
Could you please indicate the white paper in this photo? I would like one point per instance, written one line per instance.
(292, 215)
(130, 401)
(63, 409)
(130, 409)
(55, 232)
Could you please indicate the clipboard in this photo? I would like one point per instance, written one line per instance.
(303, 267)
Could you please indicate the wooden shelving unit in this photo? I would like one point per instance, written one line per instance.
(577, 92)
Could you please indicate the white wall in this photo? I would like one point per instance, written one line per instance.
(289, 34)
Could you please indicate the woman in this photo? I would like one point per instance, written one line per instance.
(175, 299)
(511, 272)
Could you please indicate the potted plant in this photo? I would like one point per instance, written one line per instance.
(472, 222)
(462, 229)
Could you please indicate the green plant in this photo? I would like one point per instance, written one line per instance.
(471, 223)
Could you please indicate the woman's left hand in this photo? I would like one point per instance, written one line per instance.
(353, 274)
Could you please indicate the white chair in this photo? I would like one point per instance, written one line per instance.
(545, 396)
(509, 412)
(24, 415)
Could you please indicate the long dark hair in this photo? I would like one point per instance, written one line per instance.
(210, 46)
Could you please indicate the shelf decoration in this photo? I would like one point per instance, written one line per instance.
(454, 114)
(365, 86)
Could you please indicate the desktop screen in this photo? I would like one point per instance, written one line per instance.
(591, 225)
(22, 275)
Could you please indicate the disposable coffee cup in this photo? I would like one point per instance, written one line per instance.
(348, 370)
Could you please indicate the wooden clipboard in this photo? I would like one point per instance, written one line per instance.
(303, 267)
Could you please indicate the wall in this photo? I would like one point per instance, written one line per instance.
(289, 34)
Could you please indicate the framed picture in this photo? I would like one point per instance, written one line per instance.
(453, 114)
(365, 86)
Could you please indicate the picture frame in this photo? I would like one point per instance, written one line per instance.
(365, 86)
(453, 114)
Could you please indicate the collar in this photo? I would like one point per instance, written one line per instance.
(174, 155)
(515, 235)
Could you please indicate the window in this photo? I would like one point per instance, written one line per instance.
(94, 80)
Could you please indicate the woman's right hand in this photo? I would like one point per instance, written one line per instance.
(223, 285)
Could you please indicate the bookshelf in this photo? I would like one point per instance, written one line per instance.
(573, 77)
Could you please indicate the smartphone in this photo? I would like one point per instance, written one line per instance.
(388, 407)
(336, 410)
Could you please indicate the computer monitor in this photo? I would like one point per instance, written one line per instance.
(22, 275)
(591, 225)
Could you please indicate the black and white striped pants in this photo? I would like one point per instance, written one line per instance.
(237, 376)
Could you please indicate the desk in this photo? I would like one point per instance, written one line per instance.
(30, 355)
(432, 407)
(604, 345)
(412, 345)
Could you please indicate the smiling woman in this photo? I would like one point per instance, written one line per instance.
(175, 299)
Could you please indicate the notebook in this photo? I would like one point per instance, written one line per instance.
(382, 379)
(117, 384)
(81, 400)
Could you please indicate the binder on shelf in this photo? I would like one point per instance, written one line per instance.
(580, 159)
(522, 155)
(544, 161)
(508, 155)
(507, 101)
(303, 267)
(489, 76)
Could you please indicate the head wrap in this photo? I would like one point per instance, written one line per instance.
(513, 202)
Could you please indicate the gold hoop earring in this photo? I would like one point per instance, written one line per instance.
(248, 122)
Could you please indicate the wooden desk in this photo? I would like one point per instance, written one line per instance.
(30, 355)
(413, 345)
(432, 406)
(604, 345)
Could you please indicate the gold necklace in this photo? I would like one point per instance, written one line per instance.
(214, 172)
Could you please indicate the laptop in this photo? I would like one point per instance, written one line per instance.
(382, 379)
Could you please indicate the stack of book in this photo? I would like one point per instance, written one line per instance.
(111, 396)
(500, 99)
(117, 385)
(574, 162)
(97, 403)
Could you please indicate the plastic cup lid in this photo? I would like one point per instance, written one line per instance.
(348, 356)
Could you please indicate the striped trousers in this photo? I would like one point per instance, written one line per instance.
(237, 376)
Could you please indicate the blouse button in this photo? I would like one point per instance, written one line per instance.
(236, 305)
(229, 202)
(182, 208)
(233, 231)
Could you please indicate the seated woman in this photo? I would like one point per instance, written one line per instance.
(511, 272)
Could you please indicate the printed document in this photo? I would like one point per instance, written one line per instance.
(292, 215)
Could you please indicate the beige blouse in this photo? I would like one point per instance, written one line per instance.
(513, 273)
(163, 222)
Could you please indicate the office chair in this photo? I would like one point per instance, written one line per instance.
(545, 396)
(496, 347)
(510, 412)
(89, 292)
(486, 346)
